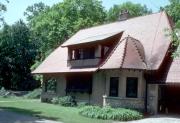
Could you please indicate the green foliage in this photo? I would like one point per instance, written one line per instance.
(55, 100)
(35, 10)
(4, 93)
(2, 9)
(173, 10)
(67, 101)
(17, 54)
(51, 85)
(82, 104)
(46, 110)
(52, 26)
(133, 9)
(35, 94)
(108, 113)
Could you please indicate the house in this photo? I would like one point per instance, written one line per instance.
(127, 63)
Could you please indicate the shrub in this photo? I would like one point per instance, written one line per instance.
(82, 104)
(5, 93)
(108, 113)
(35, 94)
(64, 101)
(55, 100)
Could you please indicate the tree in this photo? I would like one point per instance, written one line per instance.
(56, 24)
(133, 9)
(2, 10)
(17, 54)
(173, 10)
(35, 10)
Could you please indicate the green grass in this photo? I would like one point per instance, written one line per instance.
(49, 111)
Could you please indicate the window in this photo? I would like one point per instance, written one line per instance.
(114, 84)
(79, 83)
(131, 87)
(89, 53)
(50, 85)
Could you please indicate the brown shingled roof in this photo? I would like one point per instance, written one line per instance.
(149, 30)
(128, 54)
(56, 62)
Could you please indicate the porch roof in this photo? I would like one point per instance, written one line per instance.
(57, 63)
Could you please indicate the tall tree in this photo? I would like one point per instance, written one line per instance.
(17, 54)
(2, 10)
(133, 9)
(56, 24)
(35, 10)
(173, 9)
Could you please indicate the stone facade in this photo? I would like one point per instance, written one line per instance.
(152, 98)
(132, 103)
(101, 86)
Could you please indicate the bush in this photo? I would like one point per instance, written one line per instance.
(4, 93)
(35, 94)
(82, 104)
(55, 100)
(108, 113)
(64, 101)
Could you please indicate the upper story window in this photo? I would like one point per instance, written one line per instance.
(88, 53)
(131, 87)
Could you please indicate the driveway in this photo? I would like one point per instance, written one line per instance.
(12, 117)
(158, 119)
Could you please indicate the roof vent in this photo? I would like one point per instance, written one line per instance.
(124, 15)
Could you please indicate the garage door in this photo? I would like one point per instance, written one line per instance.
(169, 98)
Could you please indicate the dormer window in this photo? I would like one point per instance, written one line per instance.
(88, 53)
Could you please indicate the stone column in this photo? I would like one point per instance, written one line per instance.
(152, 99)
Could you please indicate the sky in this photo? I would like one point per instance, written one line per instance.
(16, 8)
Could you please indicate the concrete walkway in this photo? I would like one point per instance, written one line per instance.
(157, 119)
(12, 117)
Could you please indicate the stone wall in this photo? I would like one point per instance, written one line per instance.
(60, 89)
(100, 87)
(152, 98)
(123, 74)
(132, 103)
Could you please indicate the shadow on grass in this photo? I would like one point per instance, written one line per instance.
(36, 114)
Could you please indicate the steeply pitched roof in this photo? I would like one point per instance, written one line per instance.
(149, 30)
(129, 54)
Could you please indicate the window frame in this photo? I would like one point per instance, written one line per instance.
(117, 89)
(127, 85)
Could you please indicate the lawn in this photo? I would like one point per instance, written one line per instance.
(44, 110)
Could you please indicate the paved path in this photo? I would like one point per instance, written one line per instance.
(157, 119)
(12, 117)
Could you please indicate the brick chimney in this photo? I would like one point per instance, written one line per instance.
(124, 15)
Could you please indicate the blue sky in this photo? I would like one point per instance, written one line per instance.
(16, 8)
